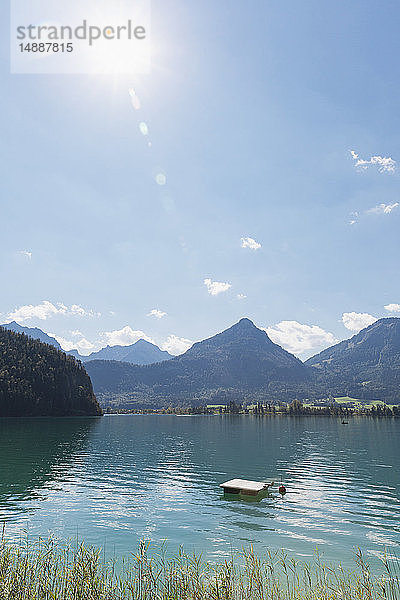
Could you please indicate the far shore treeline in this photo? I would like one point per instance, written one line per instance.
(324, 408)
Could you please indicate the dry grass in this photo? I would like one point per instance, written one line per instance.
(45, 571)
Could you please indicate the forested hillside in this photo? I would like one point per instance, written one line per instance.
(367, 366)
(37, 379)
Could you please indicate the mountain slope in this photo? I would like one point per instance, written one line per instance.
(242, 355)
(33, 332)
(37, 334)
(365, 366)
(241, 361)
(139, 353)
(36, 379)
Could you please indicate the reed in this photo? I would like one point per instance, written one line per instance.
(46, 571)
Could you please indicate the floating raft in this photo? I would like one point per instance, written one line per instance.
(245, 487)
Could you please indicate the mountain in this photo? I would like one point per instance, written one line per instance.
(33, 332)
(367, 366)
(238, 363)
(75, 354)
(139, 353)
(37, 379)
(37, 334)
(243, 364)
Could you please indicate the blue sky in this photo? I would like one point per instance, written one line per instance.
(252, 111)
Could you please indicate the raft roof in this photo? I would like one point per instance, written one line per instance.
(245, 484)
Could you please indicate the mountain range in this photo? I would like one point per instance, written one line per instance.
(139, 353)
(243, 364)
(234, 364)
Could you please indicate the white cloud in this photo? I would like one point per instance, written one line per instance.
(82, 345)
(159, 314)
(46, 309)
(241, 296)
(25, 253)
(384, 164)
(216, 287)
(298, 338)
(248, 242)
(125, 336)
(357, 321)
(85, 346)
(81, 312)
(176, 345)
(76, 333)
(383, 209)
(392, 308)
(65, 344)
(41, 311)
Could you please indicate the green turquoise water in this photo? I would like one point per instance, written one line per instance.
(115, 480)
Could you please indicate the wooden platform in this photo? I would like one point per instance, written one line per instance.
(245, 487)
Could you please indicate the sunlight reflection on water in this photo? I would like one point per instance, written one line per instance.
(118, 479)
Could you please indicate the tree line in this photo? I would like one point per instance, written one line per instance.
(36, 379)
(294, 408)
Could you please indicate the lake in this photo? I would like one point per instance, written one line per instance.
(118, 479)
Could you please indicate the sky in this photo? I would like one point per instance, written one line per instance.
(254, 171)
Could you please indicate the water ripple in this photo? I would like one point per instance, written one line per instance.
(117, 480)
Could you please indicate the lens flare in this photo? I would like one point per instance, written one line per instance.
(161, 179)
(134, 99)
(144, 130)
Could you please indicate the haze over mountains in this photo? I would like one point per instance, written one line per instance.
(139, 353)
(234, 364)
(243, 364)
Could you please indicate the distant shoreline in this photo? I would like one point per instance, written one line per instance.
(321, 413)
